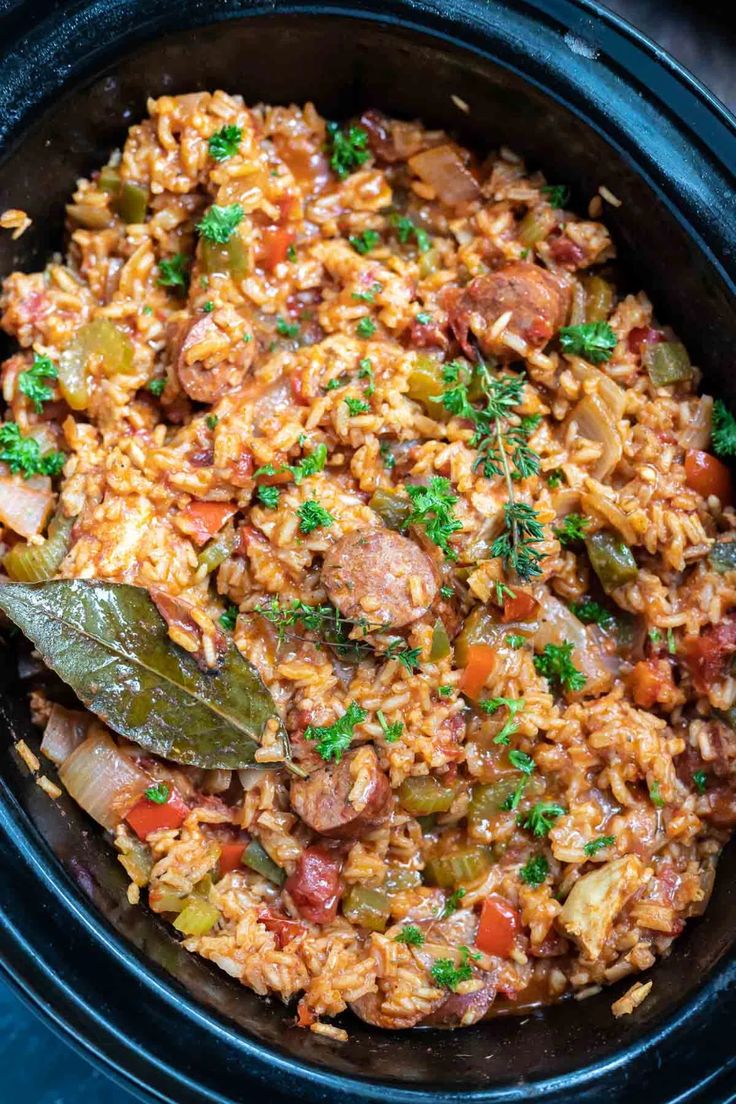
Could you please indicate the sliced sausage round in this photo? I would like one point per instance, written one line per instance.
(383, 1009)
(537, 300)
(314, 887)
(464, 1009)
(379, 576)
(210, 354)
(343, 800)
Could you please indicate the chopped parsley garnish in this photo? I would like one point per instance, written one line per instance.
(229, 617)
(592, 847)
(556, 665)
(211, 421)
(655, 796)
(515, 641)
(174, 272)
(30, 382)
(365, 371)
(356, 406)
(310, 465)
(332, 740)
(593, 340)
(655, 636)
(723, 431)
(313, 516)
(557, 194)
(337, 382)
(156, 385)
(524, 763)
(448, 975)
(369, 295)
(291, 252)
(556, 478)
(671, 642)
(406, 229)
(366, 327)
(515, 546)
(348, 149)
(391, 732)
(424, 318)
(541, 817)
(514, 706)
(208, 307)
(158, 793)
(268, 496)
(452, 903)
(407, 657)
(592, 613)
(220, 223)
(286, 329)
(225, 142)
(389, 460)
(534, 871)
(447, 592)
(572, 530)
(432, 508)
(701, 780)
(445, 691)
(411, 935)
(23, 454)
(366, 241)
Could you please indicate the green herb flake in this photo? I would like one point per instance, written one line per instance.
(723, 430)
(541, 817)
(424, 318)
(268, 496)
(593, 340)
(313, 516)
(308, 465)
(557, 194)
(556, 665)
(445, 691)
(514, 706)
(433, 509)
(356, 406)
(452, 903)
(592, 847)
(700, 779)
(220, 223)
(365, 242)
(173, 272)
(389, 460)
(348, 149)
(407, 657)
(225, 142)
(229, 617)
(208, 307)
(156, 385)
(592, 613)
(534, 871)
(211, 421)
(391, 732)
(286, 329)
(515, 641)
(23, 454)
(30, 382)
(158, 793)
(411, 935)
(333, 740)
(572, 530)
(365, 372)
(655, 795)
(406, 229)
(556, 478)
(366, 327)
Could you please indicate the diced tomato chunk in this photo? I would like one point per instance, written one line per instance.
(275, 242)
(522, 607)
(650, 682)
(203, 519)
(481, 658)
(315, 885)
(283, 928)
(148, 816)
(707, 655)
(708, 476)
(231, 855)
(499, 923)
(643, 335)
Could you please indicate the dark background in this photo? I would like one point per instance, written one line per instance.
(37, 1068)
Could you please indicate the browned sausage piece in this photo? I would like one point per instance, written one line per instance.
(379, 576)
(210, 354)
(396, 1012)
(344, 799)
(464, 1009)
(538, 302)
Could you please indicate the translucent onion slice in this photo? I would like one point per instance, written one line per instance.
(104, 781)
(65, 730)
(25, 504)
(594, 420)
(558, 625)
(696, 434)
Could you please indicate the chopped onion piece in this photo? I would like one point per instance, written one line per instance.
(444, 170)
(594, 420)
(558, 625)
(104, 781)
(25, 504)
(696, 434)
(65, 730)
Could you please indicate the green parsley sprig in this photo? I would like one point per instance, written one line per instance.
(534, 871)
(23, 454)
(348, 149)
(220, 223)
(30, 382)
(593, 340)
(433, 509)
(541, 817)
(592, 847)
(556, 665)
(173, 272)
(723, 431)
(224, 143)
(333, 740)
(514, 706)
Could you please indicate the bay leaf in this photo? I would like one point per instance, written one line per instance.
(109, 643)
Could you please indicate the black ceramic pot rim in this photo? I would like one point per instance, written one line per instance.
(64, 44)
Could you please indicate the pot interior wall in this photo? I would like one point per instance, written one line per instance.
(344, 67)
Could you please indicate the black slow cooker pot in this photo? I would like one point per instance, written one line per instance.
(588, 100)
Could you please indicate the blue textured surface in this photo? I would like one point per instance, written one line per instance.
(38, 1068)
